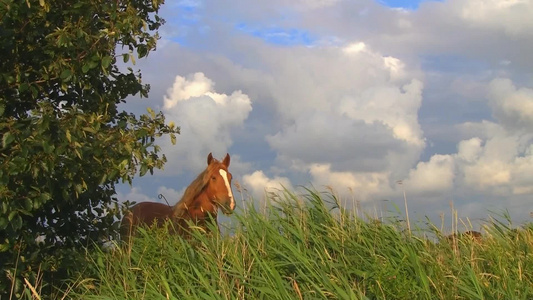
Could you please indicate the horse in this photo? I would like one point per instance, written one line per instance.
(471, 234)
(199, 204)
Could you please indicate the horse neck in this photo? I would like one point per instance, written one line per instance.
(199, 207)
(203, 207)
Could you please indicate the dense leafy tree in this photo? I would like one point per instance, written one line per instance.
(65, 143)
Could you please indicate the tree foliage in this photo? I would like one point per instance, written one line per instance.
(65, 143)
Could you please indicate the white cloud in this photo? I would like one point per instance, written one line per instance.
(327, 137)
(513, 16)
(362, 185)
(435, 176)
(355, 48)
(359, 113)
(135, 194)
(501, 163)
(313, 4)
(172, 196)
(353, 108)
(206, 119)
(511, 106)
(194, 85)
(258, 184)
(469, 150)
(485, 174)
(395, 106)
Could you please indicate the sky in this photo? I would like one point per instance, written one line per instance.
(372, 99)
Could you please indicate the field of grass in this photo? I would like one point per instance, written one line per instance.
(307, 247)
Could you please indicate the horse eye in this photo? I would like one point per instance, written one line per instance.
(214, 178)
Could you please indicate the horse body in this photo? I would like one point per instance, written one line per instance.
(199, 205)
(148, 212)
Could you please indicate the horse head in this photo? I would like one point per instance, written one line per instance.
(218, 188)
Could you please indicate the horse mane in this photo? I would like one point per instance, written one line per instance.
(195, 188)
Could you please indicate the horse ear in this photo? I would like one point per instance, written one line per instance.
(209, 158)
(226, 160)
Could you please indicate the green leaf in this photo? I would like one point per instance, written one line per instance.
(45, 197)
(66, 75)
(112, 175)
(89, 129)
(12, 214)
(7, 139)
(47, 147)
(103, 179)
(16, 222)
(34, 91)
(85, 68)
(3, 224)
(93, 64)
(78, 188)
(23, 87)
(144, 168)
(4, 247)
(125, 57)
(2, 108)
(142, 51)
(106, 61)
(151, 111)
(173, 139)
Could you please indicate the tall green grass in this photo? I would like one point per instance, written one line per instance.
(308, 247)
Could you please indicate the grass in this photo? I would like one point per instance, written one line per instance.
(308, 247)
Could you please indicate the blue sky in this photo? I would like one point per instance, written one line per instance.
(402, 3)
(352, 95)
(279, 36)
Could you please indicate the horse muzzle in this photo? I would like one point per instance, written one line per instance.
(227, 207)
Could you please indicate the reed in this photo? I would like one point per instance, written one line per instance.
(309, 247)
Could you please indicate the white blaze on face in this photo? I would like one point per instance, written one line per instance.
(224, 175)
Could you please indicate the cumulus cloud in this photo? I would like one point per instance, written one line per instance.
(513, 16)
(511, 106)
(363, 185)
(363, 125)
(434, 176)
(469, 150)
(358, 115)
(195, 85)
(353, 107)
(346, 143)
(257, 184)
(206, 118)
(134, 194)
(496, 161)
(395, 106)
(172, 196)
(499, 163)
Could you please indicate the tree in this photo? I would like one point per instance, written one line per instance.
(64, 141)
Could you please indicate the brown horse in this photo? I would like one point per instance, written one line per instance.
(471, 234)
(210, 191)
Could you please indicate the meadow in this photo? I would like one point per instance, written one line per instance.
(309, 247)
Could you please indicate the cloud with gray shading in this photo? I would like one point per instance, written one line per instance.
(258, 184)
(363, 124)
(512, 107)
(438, 97)
(497, 161)
(206, 119)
